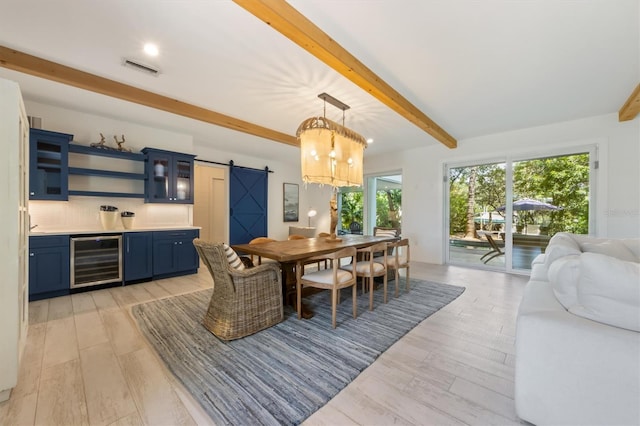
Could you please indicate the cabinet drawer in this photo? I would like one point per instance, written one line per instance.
(49, 241)
(183, 234)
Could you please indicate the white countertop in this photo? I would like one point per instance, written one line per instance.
(44, 232)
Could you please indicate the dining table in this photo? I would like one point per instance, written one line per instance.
(289, 252)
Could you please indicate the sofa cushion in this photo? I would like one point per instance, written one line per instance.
(563, 274)
(609, 291)
(560, 245)
(538, 272)
(233, 258)
(632, 244)
(613, 248)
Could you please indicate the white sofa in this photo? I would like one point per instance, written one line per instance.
(578, 334)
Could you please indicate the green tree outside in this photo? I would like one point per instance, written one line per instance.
(388, 207)
(561, 181)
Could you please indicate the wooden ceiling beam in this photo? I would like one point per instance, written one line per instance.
(631, 108)
(295, 26)
(28, 64)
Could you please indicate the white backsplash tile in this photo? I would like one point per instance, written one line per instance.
(82, 213)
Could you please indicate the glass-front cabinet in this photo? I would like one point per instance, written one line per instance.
(169, 177)
(48, 175)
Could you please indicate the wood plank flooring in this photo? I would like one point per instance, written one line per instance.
(86, 363)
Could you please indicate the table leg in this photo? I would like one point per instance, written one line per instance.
(289, 289)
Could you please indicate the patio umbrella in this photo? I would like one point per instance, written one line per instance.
(530, 204)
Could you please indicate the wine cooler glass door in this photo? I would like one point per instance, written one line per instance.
(96, 260)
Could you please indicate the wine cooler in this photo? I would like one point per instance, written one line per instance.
(96, 260)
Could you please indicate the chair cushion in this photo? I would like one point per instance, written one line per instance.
(233, 258)
(362, 267)
(325, 276)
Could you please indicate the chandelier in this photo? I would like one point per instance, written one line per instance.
(331, 154)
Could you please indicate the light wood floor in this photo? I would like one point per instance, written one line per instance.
(86, 363)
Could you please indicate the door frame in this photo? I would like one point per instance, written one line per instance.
(593, 149)
(224, 201)
(369, 198)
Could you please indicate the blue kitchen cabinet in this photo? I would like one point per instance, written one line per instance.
(138, 256)
(169, 177)
(174, 253)
(48, 165)
(48, 266)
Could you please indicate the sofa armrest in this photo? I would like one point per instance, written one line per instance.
(571, 370)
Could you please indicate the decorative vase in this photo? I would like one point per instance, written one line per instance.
(108, 219)
(158, 170)
(127, 222)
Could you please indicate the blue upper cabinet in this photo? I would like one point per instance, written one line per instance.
(49, 165)
(169, 177)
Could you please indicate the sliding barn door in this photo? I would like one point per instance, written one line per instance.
(247, 204)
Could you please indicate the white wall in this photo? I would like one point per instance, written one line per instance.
(617, 206)
(86, 128)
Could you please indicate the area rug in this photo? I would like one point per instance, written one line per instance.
(281, 375)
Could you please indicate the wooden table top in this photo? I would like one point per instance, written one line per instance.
(293, 250)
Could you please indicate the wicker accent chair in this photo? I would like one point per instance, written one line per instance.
(243, 301)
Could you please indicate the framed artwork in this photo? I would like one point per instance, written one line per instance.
(290, 199)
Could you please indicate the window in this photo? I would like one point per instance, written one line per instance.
(547, 195)
(379, 203)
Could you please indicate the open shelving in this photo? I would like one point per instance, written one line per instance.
(82, 171)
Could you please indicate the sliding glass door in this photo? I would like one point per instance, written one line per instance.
(550, 195)
(501, 215)
(476, 227)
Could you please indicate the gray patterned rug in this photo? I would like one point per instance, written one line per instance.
(283, 374)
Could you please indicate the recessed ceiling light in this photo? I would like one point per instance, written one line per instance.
(151, 49)
(369, 140)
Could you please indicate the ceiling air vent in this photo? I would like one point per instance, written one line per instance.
(140, 67)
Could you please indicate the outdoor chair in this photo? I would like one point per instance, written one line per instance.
(333, 279)
(355, 228)
(398, 258)
(495, 250)
(368, 268)
(244, 301)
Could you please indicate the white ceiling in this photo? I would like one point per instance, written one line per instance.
(474, 67)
